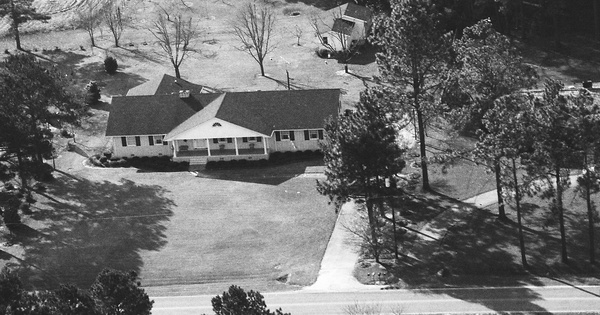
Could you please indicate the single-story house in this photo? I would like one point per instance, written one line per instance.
(344, 26)
(201, 127)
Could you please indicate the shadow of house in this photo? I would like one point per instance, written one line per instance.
(89, 226)
(364, 56)
(266, 175)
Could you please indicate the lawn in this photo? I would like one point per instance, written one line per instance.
(175, 228)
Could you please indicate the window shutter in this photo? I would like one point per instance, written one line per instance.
(124, 141)
(292, 135)
(258, 139)
(277, 136)
(229, 140)
(244, 139)
(138, 141)
(321, 135)
(306, 135)
(151, 140)
(215, 140)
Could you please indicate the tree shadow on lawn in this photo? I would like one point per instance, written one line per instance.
(266, 175)
(89, 226)
(70, 64)
(478, 251)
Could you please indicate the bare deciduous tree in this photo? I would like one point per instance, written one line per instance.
(254, 26)
(173, 35)
(298, 33)
(113, 17)
(90, 18)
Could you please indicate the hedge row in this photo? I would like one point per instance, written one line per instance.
(276, 158)
(155, 163)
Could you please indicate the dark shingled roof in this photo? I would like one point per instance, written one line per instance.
(358, 12)
(261, 111)
(265, 111)
(152, 114)
(343, 27)
(165, 85)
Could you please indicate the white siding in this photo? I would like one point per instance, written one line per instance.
(145, 149)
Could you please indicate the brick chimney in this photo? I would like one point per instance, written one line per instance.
(184, 93)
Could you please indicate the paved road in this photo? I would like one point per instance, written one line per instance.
(554, 299)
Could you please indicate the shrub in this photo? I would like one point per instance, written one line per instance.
(65, 133)
(43, 172)
(110, 65)
(108, 154)
(119, 292)
(237, 301)
(25, 208)
(11, 215)
(95, 160)
(92, 92)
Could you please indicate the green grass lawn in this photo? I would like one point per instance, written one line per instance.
(175, 228)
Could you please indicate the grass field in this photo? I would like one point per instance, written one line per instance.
(175, 228)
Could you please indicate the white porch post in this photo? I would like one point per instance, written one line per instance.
(236, 147)
(208, 146)
(265, 144)
(174, 148)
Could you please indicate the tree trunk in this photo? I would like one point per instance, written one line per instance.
(91, 33)
(561, 219)
(177, 74)
(596, 20)
(262, 68)
(520, 224)
(373, 227)
(590, 223)
(501, 211)
(15, 24)
(21, 170)
(423, 149)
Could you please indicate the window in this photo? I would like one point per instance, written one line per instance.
(284, 135)
(199, 143)
(216, 124)
(314, 134)
(131, 141)
(155, 140)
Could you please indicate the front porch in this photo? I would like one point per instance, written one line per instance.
(200, 151)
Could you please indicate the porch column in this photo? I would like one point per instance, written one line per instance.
(174, 144)
(265, 144)
(208, 146)
(236, 148)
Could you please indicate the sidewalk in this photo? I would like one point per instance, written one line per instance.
(337, 266)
